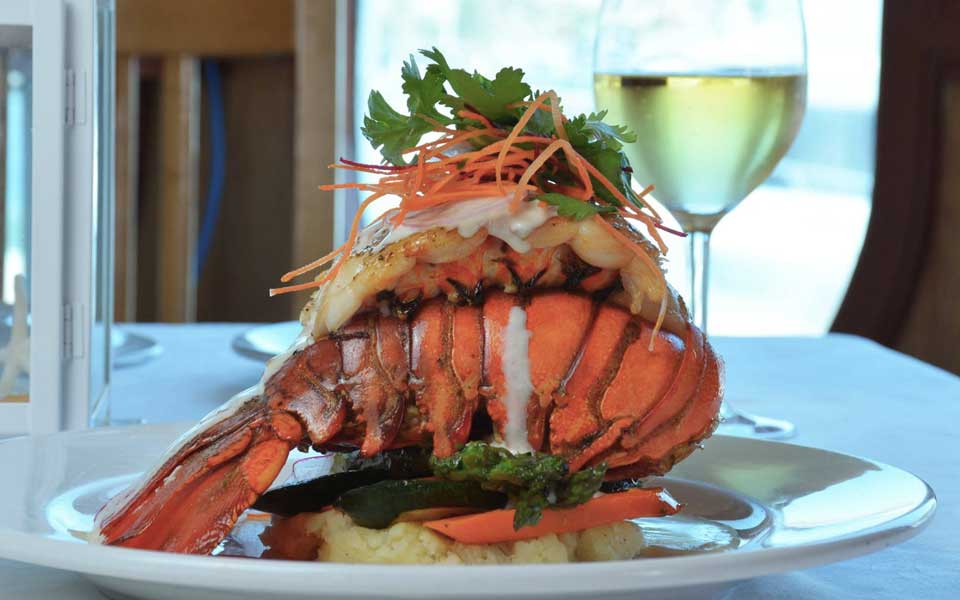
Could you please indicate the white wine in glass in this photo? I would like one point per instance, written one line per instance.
(707, 140)
(716, 91)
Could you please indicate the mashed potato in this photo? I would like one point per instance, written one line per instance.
(339, 540)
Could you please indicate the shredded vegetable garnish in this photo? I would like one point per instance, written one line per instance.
(501, 140)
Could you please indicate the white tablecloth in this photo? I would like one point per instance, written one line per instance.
(843, 393)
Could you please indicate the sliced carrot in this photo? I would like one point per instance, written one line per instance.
(558, 116)
(496, 526)
(344, 254)
(454, 138)
(554, 109)
(521, 123)
(469, 114)
(647, 219)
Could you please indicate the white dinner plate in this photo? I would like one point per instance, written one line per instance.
(752, 508)
(263, 342)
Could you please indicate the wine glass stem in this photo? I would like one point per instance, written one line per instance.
(699, 276)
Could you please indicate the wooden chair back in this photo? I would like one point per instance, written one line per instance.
(905, 292)
(281, 92)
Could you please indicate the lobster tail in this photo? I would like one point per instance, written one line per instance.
(561, 372)
(509, 289)
(193, 500)
(603, 386)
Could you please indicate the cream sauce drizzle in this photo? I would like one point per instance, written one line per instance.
(468, 217)
(516, 372)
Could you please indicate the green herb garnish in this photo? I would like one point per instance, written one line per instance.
(572, 208)
(442, 88)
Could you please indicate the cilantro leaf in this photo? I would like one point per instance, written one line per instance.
(594, 124)
(391, 131)
(572, 208)
(601, 144)
(437, 57)
(440, 85)
(541, 122)
(423, 93)
(590, 130)
(488, 97)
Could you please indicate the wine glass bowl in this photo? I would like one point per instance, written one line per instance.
(715, 91)
(705, 141)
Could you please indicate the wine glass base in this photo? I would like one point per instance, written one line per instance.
(741, 424)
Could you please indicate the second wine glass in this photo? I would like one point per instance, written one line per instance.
(716, 91)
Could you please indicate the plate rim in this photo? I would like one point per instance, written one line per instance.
(347, 580)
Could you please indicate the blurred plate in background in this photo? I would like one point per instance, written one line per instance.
(131, 349)
(266, 341)
(128, 348)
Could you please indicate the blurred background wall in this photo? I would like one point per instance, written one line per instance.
(229, 112)
(227, 107)
(221, 106)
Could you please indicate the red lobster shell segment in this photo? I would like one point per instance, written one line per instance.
(603, 390)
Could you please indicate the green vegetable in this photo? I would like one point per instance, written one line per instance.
(587, 129)
(532, 481)
(573, 208)
(348, 472)
(487, 97)
(377, 506)
(498, 100)
(389, 130)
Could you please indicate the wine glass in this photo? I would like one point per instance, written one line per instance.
(716, 91)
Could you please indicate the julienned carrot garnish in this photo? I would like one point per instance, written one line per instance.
(510, 150)
(469, 114)
(642, 254)
(497, 526)
(517, 129)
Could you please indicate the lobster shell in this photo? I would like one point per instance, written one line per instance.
(606, 388)
(603, 390)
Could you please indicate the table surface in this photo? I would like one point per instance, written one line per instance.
(844, 393)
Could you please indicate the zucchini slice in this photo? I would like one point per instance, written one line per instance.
(349, 471)
(378, 505)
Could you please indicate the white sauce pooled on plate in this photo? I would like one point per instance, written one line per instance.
(516, 372)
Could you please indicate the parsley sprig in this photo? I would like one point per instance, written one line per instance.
(438, 95)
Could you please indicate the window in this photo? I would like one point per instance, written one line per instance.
(783, 259)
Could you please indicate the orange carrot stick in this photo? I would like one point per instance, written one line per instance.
(532, 169)
(557, 115)
(515, 132)
(310, 266)
(469, 114)
(493, 148)
(454, 138)
(619, 196)
(496, 526)
(655, 268)
(439, 185)
(294, 288)
(343, 251)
